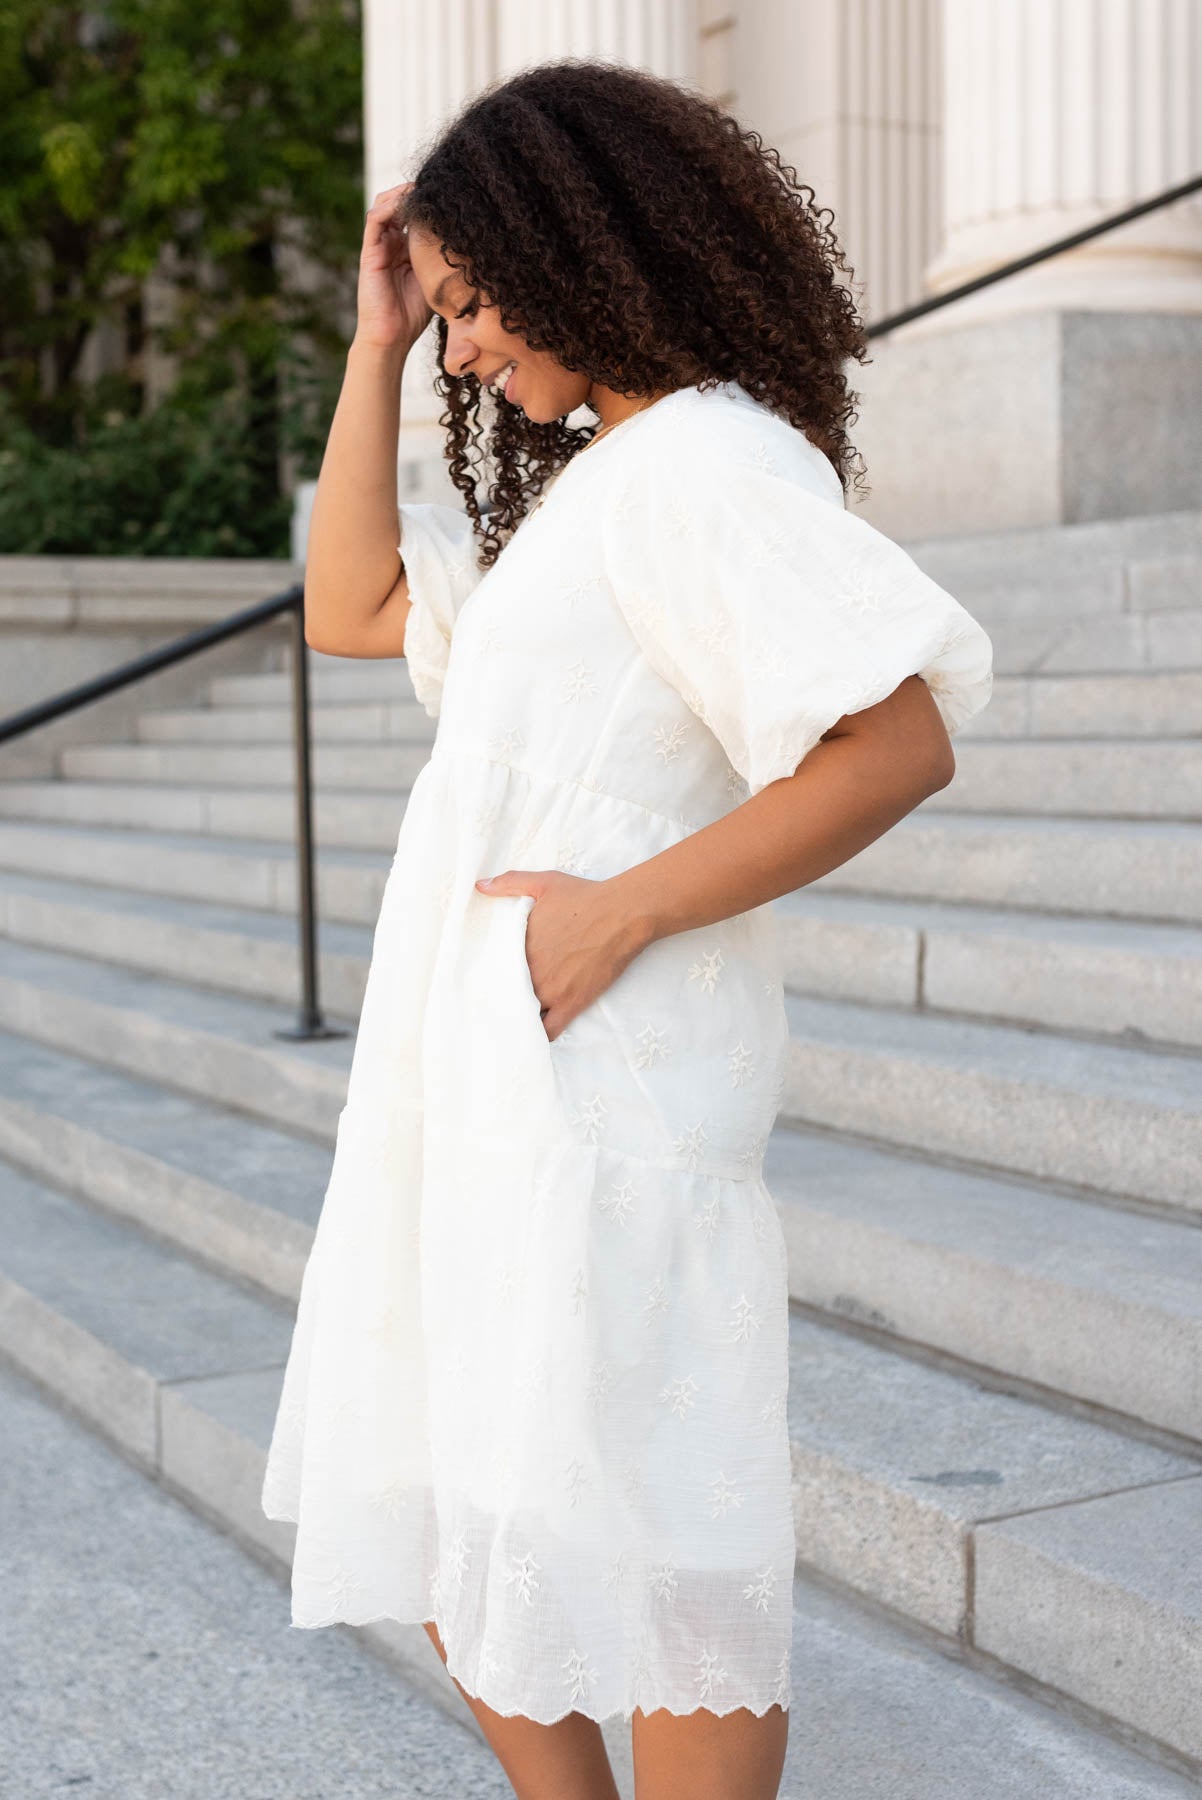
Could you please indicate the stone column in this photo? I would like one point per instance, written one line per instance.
(1058, 113)
(1072, 391)
(660, 35)
(849, 91)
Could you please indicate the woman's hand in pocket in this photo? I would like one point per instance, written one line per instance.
(579, 938)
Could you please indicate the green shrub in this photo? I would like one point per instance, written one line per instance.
(169, 483)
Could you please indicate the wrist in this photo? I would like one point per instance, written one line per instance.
(640, 919)
(391, 352)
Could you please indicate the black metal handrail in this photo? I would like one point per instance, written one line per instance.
(310, 1023)
(1055, 248)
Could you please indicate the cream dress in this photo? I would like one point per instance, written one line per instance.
(536, 1388)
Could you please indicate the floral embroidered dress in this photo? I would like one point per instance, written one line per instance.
(536, 1388)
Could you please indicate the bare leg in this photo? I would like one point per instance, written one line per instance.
(701, 1756)
(564, 1761)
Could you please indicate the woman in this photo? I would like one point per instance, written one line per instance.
(536, 1392)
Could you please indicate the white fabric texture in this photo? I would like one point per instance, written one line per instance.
(537, 1384)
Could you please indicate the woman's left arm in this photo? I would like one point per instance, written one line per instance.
(866, 772)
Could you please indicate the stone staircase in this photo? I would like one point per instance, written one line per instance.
(988, 1162)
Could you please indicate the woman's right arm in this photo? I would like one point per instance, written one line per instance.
(356, 589)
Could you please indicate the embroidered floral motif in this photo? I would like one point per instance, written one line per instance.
(579, 1674)
(578, 681)
(568, 858)
(615, 1575)
(591, 1119)
(710, 1674)
(724, 1497)
(760, 1590)
(507, 743)
(522, 1577)
(632, 1479)
(740, 1064)
(707, 969)
(391, 1501)
(745, 1320)
(657, 1298)
(618, 1203)
(761, 459)
(774, 1411)
(664, 1582)
(653, 1045)
(668, 740)
(598, 1385)
(581, 589)
(706, 1217)
(680, 1394)
(691, 1144)
(533, 1376)
(579, 1291)
(575, 1480)
(715, 637)
(342, 1589)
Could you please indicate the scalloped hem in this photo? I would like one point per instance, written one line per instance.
(599, 1717)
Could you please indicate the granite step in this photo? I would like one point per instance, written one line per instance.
(333, 681)
(1133, 778)
(1131, 869)
(1146, 563)
(363, 722)
(1081, 1301)
(899, 1469)
(238, 950)
(215, 1046)
(1113, 977)
(343, 821)
(362, 768)
(1098, 645)
(1096, 1117)
(1160, 704)
(202, 867)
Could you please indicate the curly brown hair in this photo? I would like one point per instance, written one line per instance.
(628, 225)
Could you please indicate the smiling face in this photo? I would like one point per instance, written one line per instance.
(478, 345)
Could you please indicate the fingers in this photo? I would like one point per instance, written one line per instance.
(387, 200)
(381, 214)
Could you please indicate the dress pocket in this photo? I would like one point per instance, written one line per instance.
(523, 905)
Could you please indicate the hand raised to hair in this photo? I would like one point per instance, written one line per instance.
(392, 309)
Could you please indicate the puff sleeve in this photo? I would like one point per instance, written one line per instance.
(769, 607)
(439, 549)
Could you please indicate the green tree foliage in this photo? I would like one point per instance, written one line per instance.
(214, 143)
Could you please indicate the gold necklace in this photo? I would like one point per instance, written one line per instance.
(595, 439)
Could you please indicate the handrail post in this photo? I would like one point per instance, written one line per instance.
(310, 1023)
